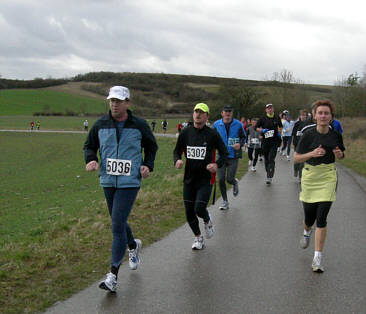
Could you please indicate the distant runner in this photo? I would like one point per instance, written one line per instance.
(153, 124)
(318, 147)
(199, 143)
(270, 126)
(233, 135)
(120, 138)
(254, 145)
(164, 125)
(86, 125)
(296, 135)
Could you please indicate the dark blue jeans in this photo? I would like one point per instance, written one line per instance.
(119, 202)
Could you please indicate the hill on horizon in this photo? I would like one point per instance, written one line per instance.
(154, 94)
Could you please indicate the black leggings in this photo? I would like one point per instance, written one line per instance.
(269, 153)
(316, 211)
(196, 197)
(256, 154)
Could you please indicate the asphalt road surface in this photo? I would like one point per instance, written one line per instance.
(253, 264)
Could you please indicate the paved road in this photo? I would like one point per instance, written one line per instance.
(253, 264)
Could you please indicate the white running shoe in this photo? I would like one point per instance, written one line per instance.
(224, 205)
(198, 243)
(236, 188)
(288, 158)
(268, 180)
(134, 255)
(109, 283)
(253, 169)
(305, 240)
(317, 264)
(260, 158)
(209, 229)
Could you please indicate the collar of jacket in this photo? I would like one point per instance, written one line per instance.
(129, 115)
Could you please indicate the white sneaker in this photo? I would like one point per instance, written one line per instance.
(134, 255)
(268, 180)
(224, 205)
(288, 158)
(209, 229)
(253, 169)
(109, 283)
(260, 158)
(305, 240)
(198, 243)
(317, 264)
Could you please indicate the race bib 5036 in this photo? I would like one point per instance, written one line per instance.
(269, 134)
(118, 167)
(196, 152)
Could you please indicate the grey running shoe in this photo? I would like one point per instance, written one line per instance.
(253, 169)
(317, 265)
(236, 187)
(224, 205)
(304, 242)
(109, 283)
(198, 243)
(209, 229)
(268, 180)
(134, 255)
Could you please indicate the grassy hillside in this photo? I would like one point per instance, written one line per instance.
(159, 95)
(29, 101)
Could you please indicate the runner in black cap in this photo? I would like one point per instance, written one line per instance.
(233, 135)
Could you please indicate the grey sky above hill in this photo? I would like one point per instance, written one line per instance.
(318, 41)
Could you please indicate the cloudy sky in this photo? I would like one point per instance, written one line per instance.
(318, 41)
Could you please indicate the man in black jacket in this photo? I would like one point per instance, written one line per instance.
(198, 142)
(270, 126)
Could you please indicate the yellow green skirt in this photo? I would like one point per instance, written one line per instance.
(318, 183)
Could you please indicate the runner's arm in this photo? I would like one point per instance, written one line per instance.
(223, 153)
(149, 145)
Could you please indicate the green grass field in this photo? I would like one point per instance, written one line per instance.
(54, 225)
(28, 101)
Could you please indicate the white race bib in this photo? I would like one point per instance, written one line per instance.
(269, 134)
(118, 167)
(298, 133)
(196, 152)
(254, 140)
(232, 140)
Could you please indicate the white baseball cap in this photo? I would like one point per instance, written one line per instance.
(119, 92)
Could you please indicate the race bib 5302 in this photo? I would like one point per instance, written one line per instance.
(118, 167)
(196, 152)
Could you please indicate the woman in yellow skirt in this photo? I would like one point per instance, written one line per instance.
(318, 147)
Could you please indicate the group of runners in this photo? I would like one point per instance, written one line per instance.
(127, 149)
(38, 125)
